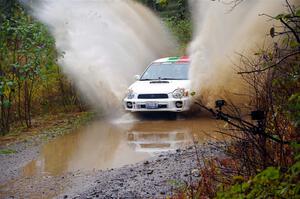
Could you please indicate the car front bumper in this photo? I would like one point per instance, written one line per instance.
(152, 105)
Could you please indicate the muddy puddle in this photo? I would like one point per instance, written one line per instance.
(111, 144)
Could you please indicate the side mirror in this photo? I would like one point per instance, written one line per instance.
(137, 77)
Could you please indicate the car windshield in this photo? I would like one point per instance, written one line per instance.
(166, 71)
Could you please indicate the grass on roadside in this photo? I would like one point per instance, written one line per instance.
(47, 126)
(7, 151)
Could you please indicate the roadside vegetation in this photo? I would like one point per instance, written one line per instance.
(263, 156)
(31, 82)
(46, 127)
(267, 157)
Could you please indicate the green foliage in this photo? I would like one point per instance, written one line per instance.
(169, 8)
(7, 151)
(176, 15)
(181, 29)
(270, 183)
(28, 70)
(294, 108)
(25, 48)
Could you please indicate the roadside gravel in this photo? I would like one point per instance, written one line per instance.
(25, 150)
(158, 177)
(11, 164)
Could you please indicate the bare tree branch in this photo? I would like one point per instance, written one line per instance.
(269, 67)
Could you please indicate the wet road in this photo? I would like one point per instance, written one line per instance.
(112, 144)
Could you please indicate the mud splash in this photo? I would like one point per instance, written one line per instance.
(221, 32)
(104, 44)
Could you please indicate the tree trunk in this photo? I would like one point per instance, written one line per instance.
(26, 117)
(29, 101)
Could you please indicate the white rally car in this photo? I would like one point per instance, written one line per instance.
(164, 86)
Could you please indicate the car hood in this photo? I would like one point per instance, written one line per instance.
(163, 86)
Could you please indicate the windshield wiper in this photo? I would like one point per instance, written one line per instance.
(146, 79)
(167, 78)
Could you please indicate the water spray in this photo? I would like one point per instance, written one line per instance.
(104, 44)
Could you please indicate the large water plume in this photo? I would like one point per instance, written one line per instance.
(105, 43)
(220, 32)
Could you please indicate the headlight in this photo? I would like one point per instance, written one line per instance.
(178, 93)
(130, 94)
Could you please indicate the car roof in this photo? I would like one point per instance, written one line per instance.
(173, 59)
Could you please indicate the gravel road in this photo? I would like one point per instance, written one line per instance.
(157, 177)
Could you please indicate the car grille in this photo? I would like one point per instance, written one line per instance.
(159, 106)
(153, 96)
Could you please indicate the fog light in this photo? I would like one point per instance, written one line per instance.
(129, 104)
(178, 104)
